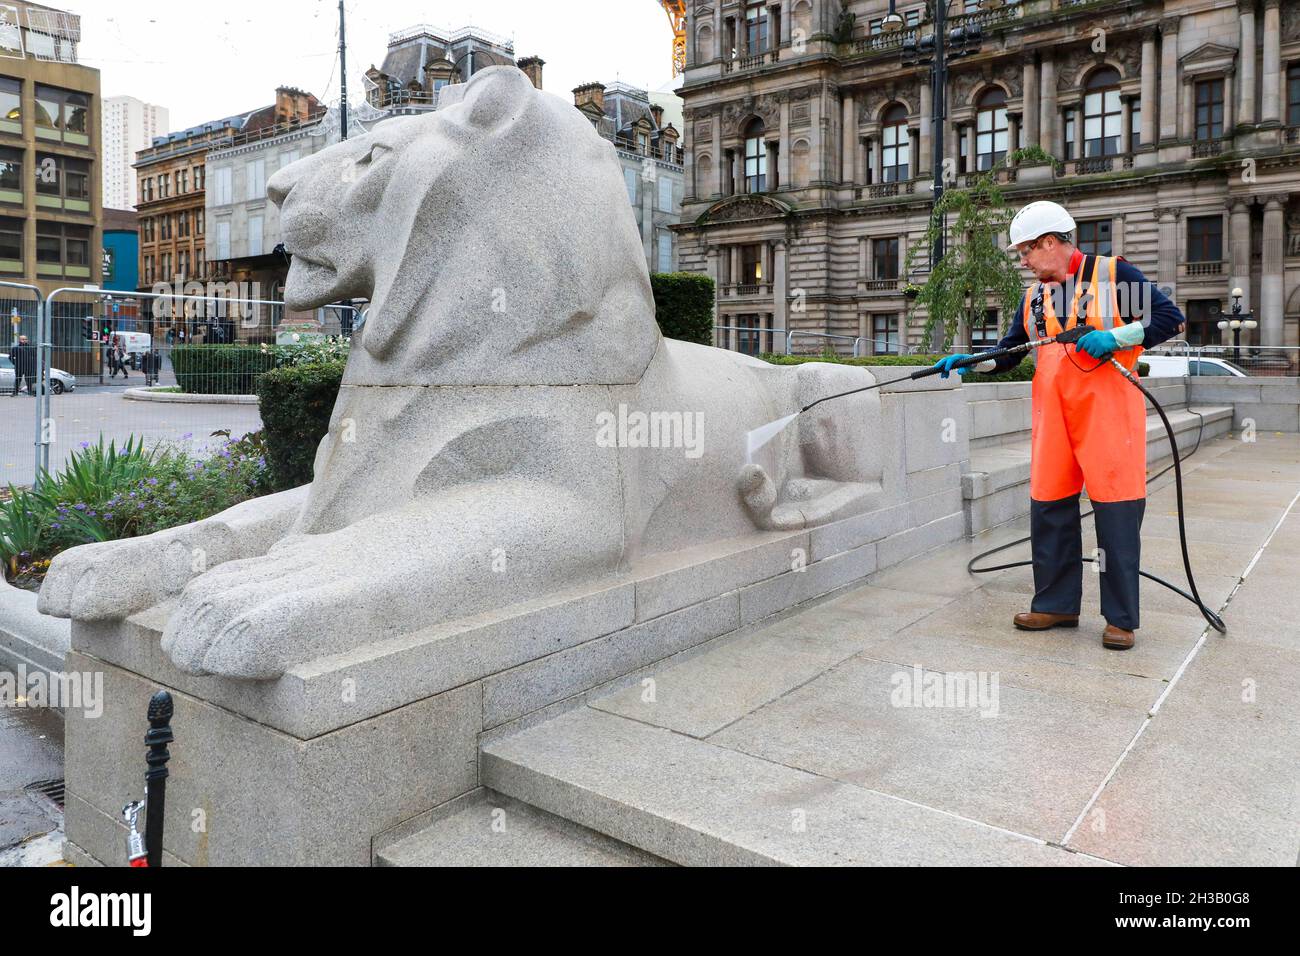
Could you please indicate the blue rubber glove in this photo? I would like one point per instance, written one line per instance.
(947, 363)
(1098, 343)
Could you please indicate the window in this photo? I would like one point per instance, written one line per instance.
(749, 334)
(289, 156)
(254, 235)
(166, 226)
(164, 185)
(182, 181)
(884, 334)
(11, 105)
(884, 257)
(198, 222)
(665, 251)
(984, 334)
(11, 244)
(223, 240)
(876, 27)
(1205, 239)
(991, 129)
(62, 182)
(255, 174)
(1292, 95)
(62, 249)
(221, 191)
(182, 224)
(895, 144)
(1101, 113)
(1203, 322)
(665, 194)
(755, 158)
(11, 175)
(629, 178)
(913, 18)
(756, 28)
(1135, 125)
(1209, 109)
(1094, 237)
(1070, 131)
(751, 265)
(198, 177)
(62, 115)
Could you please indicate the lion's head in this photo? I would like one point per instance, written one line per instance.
(493, 238)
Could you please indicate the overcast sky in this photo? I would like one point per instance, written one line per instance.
(205, 60)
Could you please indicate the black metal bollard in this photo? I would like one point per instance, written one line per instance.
(157, 738)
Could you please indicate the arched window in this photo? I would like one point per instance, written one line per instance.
(1101, 113)
(991, 129)
(755, 158)
(895, 145)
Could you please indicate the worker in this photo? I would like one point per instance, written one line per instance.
(1089, 423)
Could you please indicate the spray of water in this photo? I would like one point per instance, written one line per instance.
(760, 436)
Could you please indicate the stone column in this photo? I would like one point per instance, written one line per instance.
(783, 154)
(714, 270)
(1013, 132)
(1167, 249)
(1270, 284)
(1117, 226)
(1169, 84)
(1228, 111)
(1246, 57)
(1270, 99)
(1187, 124)
(765, 264)
(774, 25)
(719, 160)
(863, 276)
(1048, 115)
(861, 174)
(1125, 124)
(927, 118)
(1029, 98)
(848, 134)
(719, 37)
(733, 273)
(773, 162)
(1150, 109)
(816, 157)
(738, 185)
(1239, 249)
(780, 296)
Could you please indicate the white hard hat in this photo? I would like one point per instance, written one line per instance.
(1038, 219)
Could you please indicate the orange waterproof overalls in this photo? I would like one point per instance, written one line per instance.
(1089, 429)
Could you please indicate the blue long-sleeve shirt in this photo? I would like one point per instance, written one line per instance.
(1139, 300)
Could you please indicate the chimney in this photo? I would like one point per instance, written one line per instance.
(532, 67)
(590, 93)
(657, 112)
(292, 103)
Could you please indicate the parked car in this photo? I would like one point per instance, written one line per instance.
(1178, 366)
(60, 381)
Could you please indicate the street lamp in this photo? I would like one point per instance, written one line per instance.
(936, 49)
(1237, 323)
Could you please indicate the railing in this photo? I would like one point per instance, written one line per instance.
(1292, 135)
(667, 154)
(882, 285)
(1091, 165)
(270, 132)
(1203, 149)
(1194, 269)
(1293, 244)
(752, 288)
(886, 190)
(404, 98)
(885, 41)
(1255, 360)
(752, 61)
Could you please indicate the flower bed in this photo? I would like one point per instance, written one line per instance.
(108, 493)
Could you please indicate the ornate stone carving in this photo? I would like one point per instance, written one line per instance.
(736, 114)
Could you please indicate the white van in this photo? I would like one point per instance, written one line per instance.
(1179, 366)
(135, 343)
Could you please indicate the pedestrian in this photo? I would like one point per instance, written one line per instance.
(24, 359)
(120, 349)
(1088, 429)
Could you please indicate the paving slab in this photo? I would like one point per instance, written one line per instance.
(693, 803)
(1028, 764)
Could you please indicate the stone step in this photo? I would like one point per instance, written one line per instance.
(489, 829)
(696, 803)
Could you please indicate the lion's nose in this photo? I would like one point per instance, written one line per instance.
(278, 186)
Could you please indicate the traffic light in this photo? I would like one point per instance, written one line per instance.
(107, 330)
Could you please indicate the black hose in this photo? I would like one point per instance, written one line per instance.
(1213, 619)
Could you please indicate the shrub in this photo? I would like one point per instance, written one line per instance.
(109, 493)
(296, 402)
(220, 369)
(684, 306)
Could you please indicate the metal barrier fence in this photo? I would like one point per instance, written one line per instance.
(116, 365)
(749, 340)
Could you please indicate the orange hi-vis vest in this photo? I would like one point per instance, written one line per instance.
(1089, 423)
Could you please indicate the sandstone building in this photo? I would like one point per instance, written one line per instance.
(1175, 125)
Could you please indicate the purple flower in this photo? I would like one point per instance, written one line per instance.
(92, 514)
(108, 515)
(187, 436)
(55, 524)
(85, 444)
(79, 507)
(153, 481)
(140, 506)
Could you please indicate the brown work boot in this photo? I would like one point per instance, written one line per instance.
(1116, 638)
(1038, 621)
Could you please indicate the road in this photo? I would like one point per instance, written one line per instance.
(92, 410)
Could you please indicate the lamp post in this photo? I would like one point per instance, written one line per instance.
(936, 49)
(1237, 323)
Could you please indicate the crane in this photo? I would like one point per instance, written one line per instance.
(676, 10)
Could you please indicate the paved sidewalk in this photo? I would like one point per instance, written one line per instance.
(1182, 751)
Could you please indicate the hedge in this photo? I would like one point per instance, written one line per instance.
(1021, 373)
(684, 306)
(296, 402)
(220, 369)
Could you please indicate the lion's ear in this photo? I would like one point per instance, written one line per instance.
(496, 95)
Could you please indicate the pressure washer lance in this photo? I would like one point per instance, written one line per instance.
(762, 435)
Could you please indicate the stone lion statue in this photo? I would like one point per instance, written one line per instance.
(488, 445)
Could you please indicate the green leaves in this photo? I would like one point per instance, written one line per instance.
(976, 272)
(684, 306)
